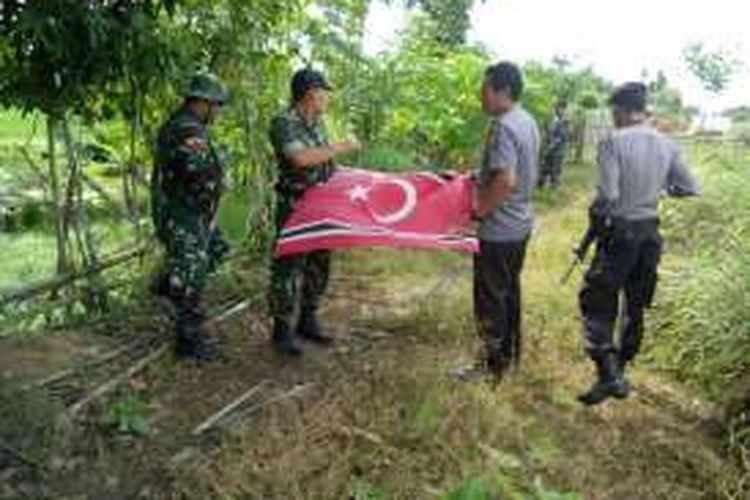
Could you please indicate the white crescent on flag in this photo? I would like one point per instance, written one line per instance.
(410, 202)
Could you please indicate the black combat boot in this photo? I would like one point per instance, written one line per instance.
(309, 329)
(498, 364)
(283, 340)
(192, 339)
(193, 343)
(609, 383)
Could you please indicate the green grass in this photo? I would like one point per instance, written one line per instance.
(27, 257)
(388, 423)
(30, 256)
(706, 280)
(15, 125)
(32, 424)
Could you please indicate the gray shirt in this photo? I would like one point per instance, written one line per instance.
(636, 164)
(512, 146)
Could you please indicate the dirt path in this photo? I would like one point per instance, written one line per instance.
(378, 418)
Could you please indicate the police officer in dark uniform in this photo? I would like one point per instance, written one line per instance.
(636, 164)
(186, 186)
(305, 158)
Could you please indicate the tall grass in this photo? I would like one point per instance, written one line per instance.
(703, 323)
(705, 288)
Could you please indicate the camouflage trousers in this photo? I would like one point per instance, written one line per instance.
(297, 281)
(191, 256)
(551, 168)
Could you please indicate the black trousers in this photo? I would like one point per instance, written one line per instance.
(626, 262)
(497, 298)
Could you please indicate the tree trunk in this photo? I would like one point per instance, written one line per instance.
(61, 237)
(131, 174)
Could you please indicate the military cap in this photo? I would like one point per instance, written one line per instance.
(207, 86)
(306, 79)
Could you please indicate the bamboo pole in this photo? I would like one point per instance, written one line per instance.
(113, 383)
(226, 410)
(26, 292)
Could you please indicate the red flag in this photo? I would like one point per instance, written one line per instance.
(366, 208)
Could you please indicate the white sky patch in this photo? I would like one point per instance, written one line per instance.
(618, 39)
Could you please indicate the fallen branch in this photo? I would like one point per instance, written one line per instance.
(226, 410)
(363, 434)
(112, 384)
(237, 308)
(57, 282)
(294, 391)
(87, 365)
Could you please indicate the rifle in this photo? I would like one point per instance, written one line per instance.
(580, 251)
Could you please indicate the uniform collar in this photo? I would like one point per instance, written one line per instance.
(309, 124)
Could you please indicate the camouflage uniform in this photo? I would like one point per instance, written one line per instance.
(297, 280)
(558, 137)
(186, 186)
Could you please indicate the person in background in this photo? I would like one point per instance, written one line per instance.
(556, 146)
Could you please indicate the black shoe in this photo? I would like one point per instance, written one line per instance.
(309, 329)
(193, 343)
(600, 391)
(283, 341)
(498, 365)
(609, 382)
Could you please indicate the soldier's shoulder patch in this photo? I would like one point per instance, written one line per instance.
(195, 143)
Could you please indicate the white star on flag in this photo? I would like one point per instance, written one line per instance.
(358, 193)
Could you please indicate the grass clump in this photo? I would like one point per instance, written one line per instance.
(32, 425)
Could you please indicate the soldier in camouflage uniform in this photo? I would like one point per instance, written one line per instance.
(186, 186)
(558, 136)
(305, 158)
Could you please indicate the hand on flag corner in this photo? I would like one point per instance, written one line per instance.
(448, 175)
(343, 147)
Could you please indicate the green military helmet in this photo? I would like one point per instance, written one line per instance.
(207, 86)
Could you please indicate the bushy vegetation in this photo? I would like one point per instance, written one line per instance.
(706, 290)
(702, 327)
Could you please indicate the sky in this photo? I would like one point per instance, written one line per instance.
(618, 39)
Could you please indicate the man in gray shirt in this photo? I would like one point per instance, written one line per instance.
(503, 208)
(636, 164)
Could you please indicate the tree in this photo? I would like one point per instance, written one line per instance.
(451, 18)
(69, 60)
(714, 69)
(667, 102)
